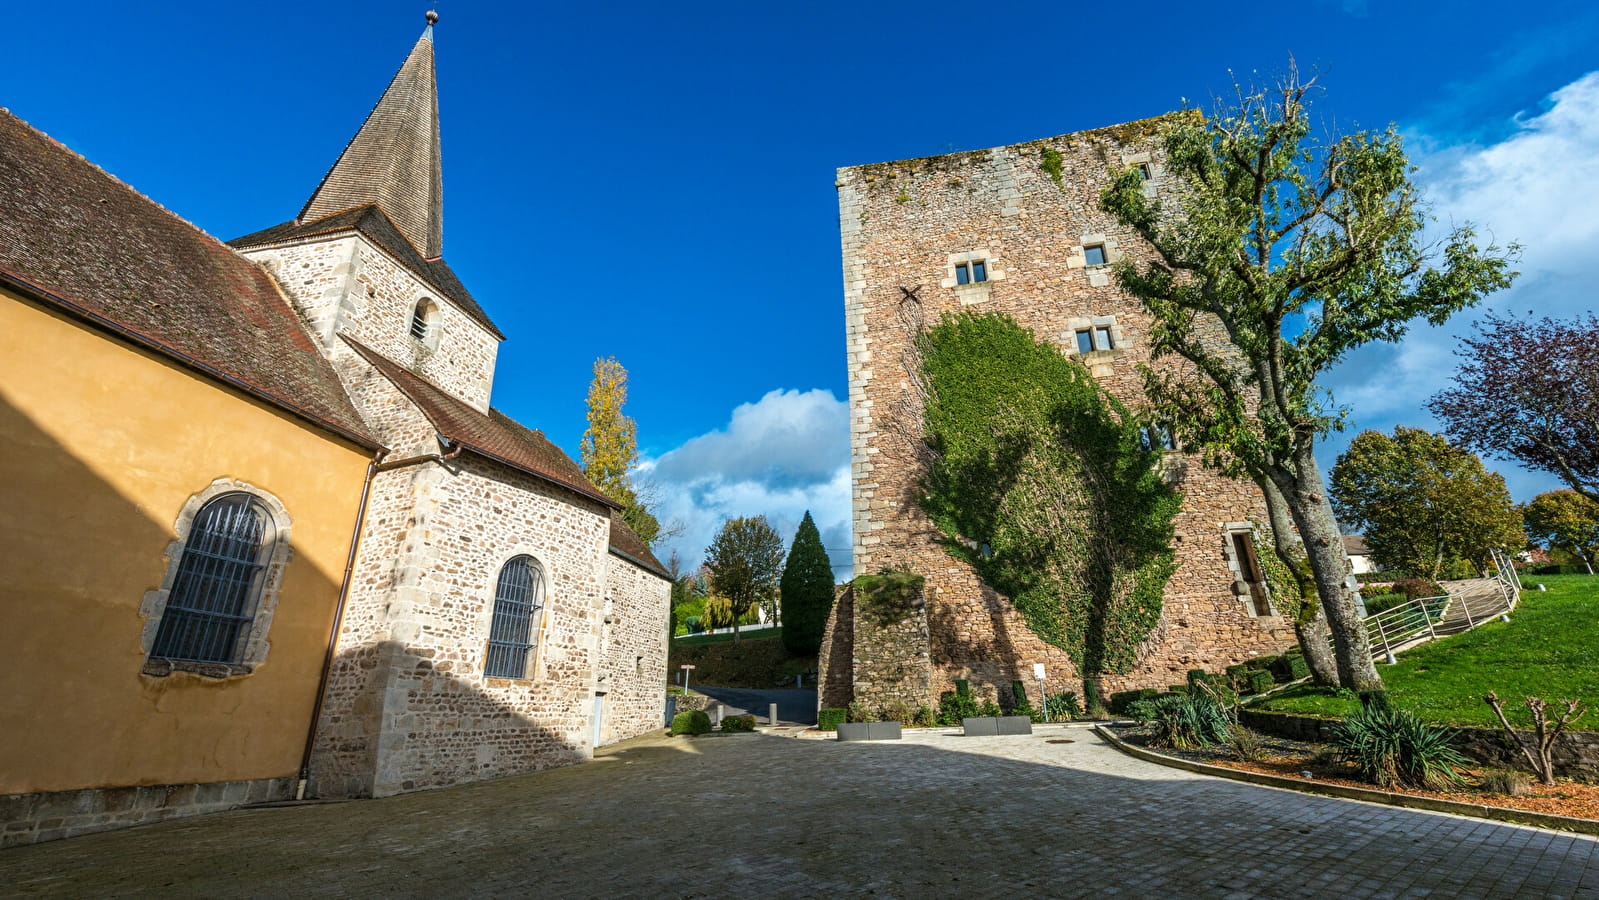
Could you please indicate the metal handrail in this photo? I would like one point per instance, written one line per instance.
(1423, 619)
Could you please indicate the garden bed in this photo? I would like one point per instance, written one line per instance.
(1287, 758)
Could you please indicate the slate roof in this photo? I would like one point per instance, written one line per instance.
(1355, 545)
(626, 543)
(393, 160)
(74, 237)
(374, 222)
(494, 435)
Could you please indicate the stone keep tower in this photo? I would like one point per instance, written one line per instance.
(464, 496)
(1016, 230)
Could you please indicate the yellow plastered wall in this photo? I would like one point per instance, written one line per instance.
(101, 445)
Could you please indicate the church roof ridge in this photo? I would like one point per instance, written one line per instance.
(393, 159)
(493, 434)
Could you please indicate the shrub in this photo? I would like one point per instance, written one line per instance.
(896, 711)
(1018, 697)
(924, 717)
(738, 723)
(861, 711)
(1092, 700)
(694, 721)
(1260, 682)
(1263, 663)
(1416, 588)
(830, 719)
(990, 709)
(1144, 711)
(963, 687)
(1506, 781)
(1186, 722)
(1195, 676)
(694, 624)
(1245, 745)
(954, 707)
(1026, 709)
(1120, 700)
(1240, 676)
(1289, 667)
(1177, 689)
(1063, 706)
(1393, 747)
(1382, 603)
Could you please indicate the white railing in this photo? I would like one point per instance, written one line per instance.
(1422, 619)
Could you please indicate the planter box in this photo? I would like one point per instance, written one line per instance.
(1015, 725)
(988, 725)
(868, 731)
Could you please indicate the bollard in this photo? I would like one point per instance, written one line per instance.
(772, 719)
(716, 716)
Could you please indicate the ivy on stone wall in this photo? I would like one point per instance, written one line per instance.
(1037, 480)
(1053, 164)
(889, 596)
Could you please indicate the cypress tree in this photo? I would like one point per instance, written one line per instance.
(807, 590)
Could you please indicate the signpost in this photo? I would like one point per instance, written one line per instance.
(688, 671)
(1043, 697)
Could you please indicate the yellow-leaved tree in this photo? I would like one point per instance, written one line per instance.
(610, 447)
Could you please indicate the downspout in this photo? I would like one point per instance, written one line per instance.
(338, 619)
(375, 466)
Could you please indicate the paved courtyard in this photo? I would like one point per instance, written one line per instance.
(766, 816)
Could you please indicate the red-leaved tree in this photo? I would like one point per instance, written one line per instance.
(1529, 391)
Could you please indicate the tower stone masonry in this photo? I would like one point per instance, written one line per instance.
(1014, 230)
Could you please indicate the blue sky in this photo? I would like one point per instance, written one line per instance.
(654, 181)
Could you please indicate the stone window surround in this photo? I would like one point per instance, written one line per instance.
(428, 309)
(1120, 340)
(977, 291)
(1098, 275)
(1245, 602)
(1156, 172)
(277, 557)
(485, 625)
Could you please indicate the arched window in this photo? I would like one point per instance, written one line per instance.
(518, 603)
(424, 322)
(212, 604)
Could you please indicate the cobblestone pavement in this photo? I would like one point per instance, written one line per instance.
(764, 816)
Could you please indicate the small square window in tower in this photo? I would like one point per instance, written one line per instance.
(1143, 171)
(971, 272)
(1094, 255)
(1096, 338)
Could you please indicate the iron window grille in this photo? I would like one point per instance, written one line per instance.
(419, 321)
(518, 601)
(211, 606)
(971, 272)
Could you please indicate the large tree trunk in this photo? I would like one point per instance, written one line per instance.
(1324, 548)
(1310, 623)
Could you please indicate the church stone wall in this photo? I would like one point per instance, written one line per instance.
(905, 227)
(347, 284)
(408, 706)
(634, 664)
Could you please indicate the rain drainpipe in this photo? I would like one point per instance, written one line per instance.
(375, 466)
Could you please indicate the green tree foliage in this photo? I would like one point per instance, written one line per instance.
(807, 589)
(1424, 503)
(1037, 479)
(609, 451)
(1280, 248)
(745, 560)
(688, 594)
(1565, 520)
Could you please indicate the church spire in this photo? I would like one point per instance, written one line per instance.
(393, 161)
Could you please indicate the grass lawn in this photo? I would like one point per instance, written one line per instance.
(1549, 649)
(744, 631)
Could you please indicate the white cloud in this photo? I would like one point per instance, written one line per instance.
(777, 457)
(1534, 187)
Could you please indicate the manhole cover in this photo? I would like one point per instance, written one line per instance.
(1060, 741)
